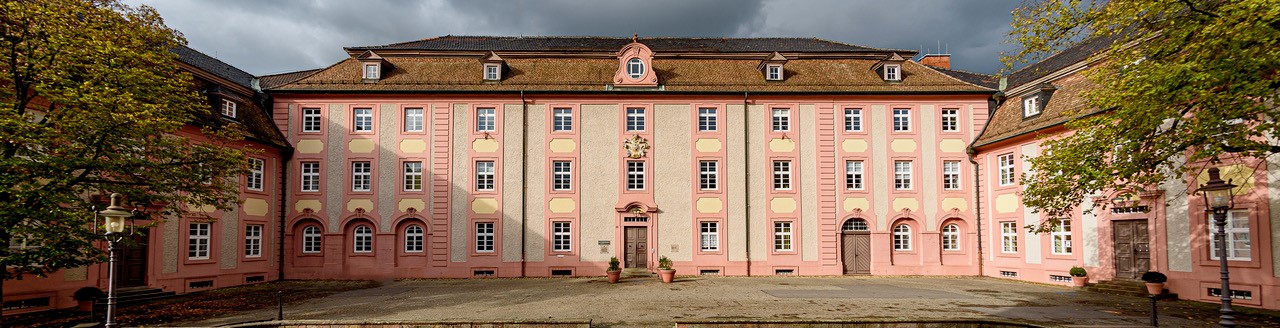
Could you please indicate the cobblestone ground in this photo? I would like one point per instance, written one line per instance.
(645, 302)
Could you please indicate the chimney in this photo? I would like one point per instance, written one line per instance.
(942, 61)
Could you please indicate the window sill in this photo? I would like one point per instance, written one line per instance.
(253, 259)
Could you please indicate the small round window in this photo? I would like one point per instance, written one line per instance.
(635, 68)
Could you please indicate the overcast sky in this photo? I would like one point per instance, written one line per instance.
(266, 37)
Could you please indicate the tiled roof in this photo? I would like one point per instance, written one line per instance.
(611, 44)
(984, 80)
(273, 80)
(420, 73)
(1060, 60)
(214, 66)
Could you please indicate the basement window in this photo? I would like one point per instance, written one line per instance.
(483, 273)
(29, 303)
(709, 272)
(1235, 294)
(784, 272)
(1009, 274)
(200, 284)
(253, 279)
(562, 273)
(1057, 278)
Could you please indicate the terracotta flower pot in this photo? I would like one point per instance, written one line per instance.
(1155, 288)
(614, 276)
(667, 275)
(1079, 281)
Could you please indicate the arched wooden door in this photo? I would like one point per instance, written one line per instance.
(855, 246)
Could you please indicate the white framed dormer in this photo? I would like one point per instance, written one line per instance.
(772, 68)
(493, 66)
(229, 108)
(635, 66)
(773, 72)
(372, 71)
(372, 66)
(890, 68)
(1030, 105)
(893, 72)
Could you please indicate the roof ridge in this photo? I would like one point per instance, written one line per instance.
(289, 72)
(1078, 46)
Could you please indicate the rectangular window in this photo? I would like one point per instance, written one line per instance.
(709, 236)
(198, 241)
(775, 72)
(485, 118)
(362, 121)
(228, 108)
(484, 237)
(413, 120)
(951, 175)
(492, 72)
(853, 175)
(371, 71)
(561, 237)
(707, 118)
(361, 176)
(1030, 106)
(254, 180)
(1062, 238)
(891, 72)
(781, 120)
(412, 176)
(310, 120)
(561, 175)
(253, 240)
(901, 120)
(413, 239)
(311, 239)
(484, 175)
(902, 175)
(1009, 237)
(635, 119)
(1239, 247)
(950, 120)
(1006, 169)
(853, 120)
(310, 176)
(562, 119)
(782, 236)
(708, 175)
(951, 237)
(781, 175)
(635, 175)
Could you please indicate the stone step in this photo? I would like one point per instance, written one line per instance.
(136, 295)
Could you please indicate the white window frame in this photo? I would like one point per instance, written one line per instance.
(892, 72)
(902, 175)
(561, 236)
(951, 237)
(1061, 238)
(1005, 163)
(901, 120)
(253, 240)
(635, 119)
(413, 119)
(198, 238)
(310, 119)
(374, 73)
(362, 239)
(492, 72)
(635, 68)
(708, 119)
(709, 175)
(412, 180)
(485, 175)
(361, 176)
(853, 175)
(783, 238)
(229, 108)
(902, 237)
(1239, 231)
(635, 175)
(312, 240)
(709, 236)
(951, 175)
(950, 120)
(485, 242)
(310, 176)
(362, 120)
(253, 181)
(852, 120)
(1009, 237)
(486, 119)
(1031, 106)
(562, 119)
(414, 239)
(773, 72)
(561, 175)
(781, 120)
(782, 175)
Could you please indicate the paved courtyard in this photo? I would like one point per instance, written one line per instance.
(645, 301)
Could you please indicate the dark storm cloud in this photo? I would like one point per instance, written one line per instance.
(265, 37)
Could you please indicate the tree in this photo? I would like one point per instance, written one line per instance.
(92, 102)
(1185, 81)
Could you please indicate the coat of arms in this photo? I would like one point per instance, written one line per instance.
(636, 146)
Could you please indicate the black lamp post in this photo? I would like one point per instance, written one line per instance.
(1219, 199)
(113, 223)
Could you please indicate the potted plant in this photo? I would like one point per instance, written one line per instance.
(1079, 277)
(664, 269)
(1155, 282)
(85, 297)
(614, 271)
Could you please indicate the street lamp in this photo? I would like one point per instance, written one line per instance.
(113, 223)
(1218, 198)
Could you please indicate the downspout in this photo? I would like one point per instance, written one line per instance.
(746, 181)
(284, 192)
(524, 177)
(977, 206)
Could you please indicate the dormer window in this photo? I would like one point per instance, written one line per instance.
(1030, 106)
(773, 72)
(635, 68)
(372, 71)
(228, 108)
(492, 72)
(892, 72)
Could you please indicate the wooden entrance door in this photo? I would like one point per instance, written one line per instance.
(637, 244)
(857, 252)
(1132, 248)
(133, 260)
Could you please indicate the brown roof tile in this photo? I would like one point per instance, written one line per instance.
(1065, 104)
(273, 80)
(612, 44)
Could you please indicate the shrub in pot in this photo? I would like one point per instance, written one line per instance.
(664, 269)
(85, 297)
(614, 272)
(1155, 282)
(1078, 276)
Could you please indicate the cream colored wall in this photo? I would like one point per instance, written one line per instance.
(808, 183)
(535, 166)
(760, 243)
(929, 165)
(1089, 234)
(1177, 228)
(599, 182)
(1031, 241)
(228, 247)
(169, 254)
(672, 179)
(1273, 200)
(736, 165)
(880, 167)
(459, 205)
(389, 172)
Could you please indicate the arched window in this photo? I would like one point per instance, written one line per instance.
(311, 239)
(902, 237)
(363, 239)
(635, 68)
(413, 239)
(854, 225)
(951, 237)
